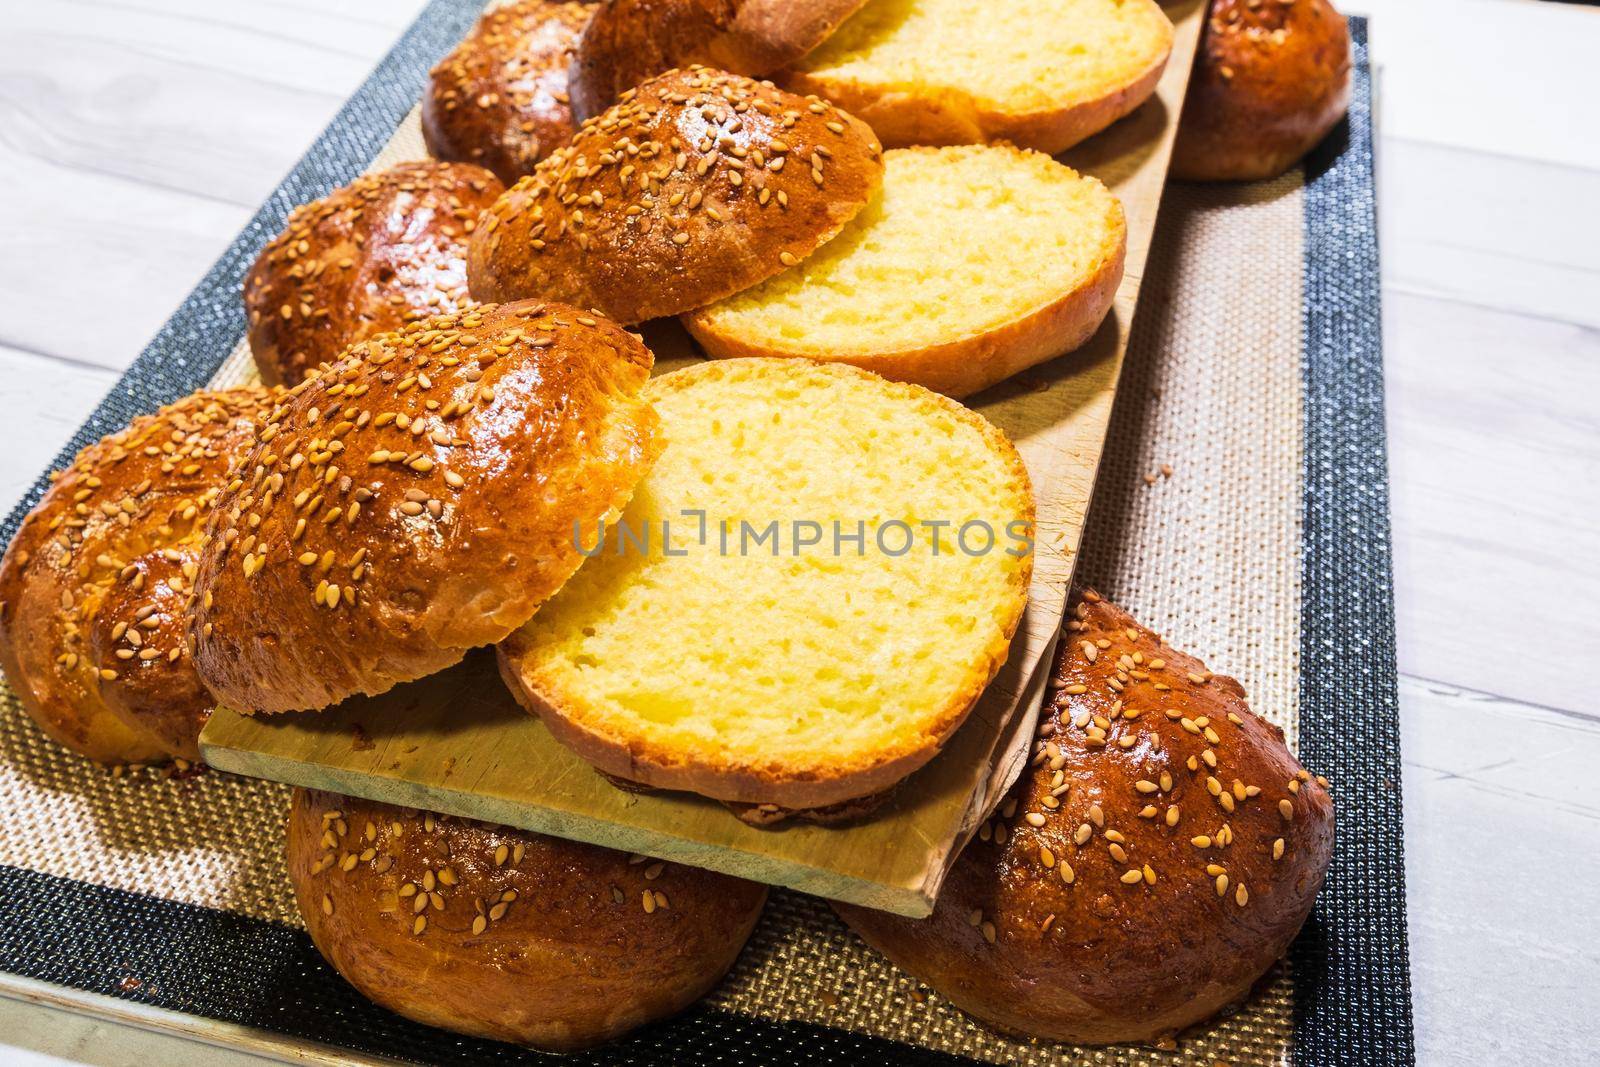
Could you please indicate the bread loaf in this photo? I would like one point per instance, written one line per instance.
(697, 185)
(774, 671)
(1271, 79)
(499, 99)
(973, 263)
(96, 584)
(416, 498)
(629, 41)
(385, 250)
(504, 934)
(1158, 856)
(1041, 74)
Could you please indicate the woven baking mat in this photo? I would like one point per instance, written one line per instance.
(1241, 509)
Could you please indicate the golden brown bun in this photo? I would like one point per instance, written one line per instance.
(385, 250)
(1125, 891)
(1040, 74)
(506, 934)
(643, 663)
(699, 184)
(499, 99)
(1271, 79)
(631, 40)
(416, 499)
(95, 586)
(942, 282)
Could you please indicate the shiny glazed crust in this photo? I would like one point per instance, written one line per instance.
(1269, 82)
(768, 785)
(1125, 889)
(697, 185)
(631, 40)
(506, 934)
(416, 499)
(95, 587)
(499, 99)
(385, 250)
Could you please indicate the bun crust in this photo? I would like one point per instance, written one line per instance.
(697, 185)
(1125, 891)
(499, 99)
(95, 587)
(385, 250)
(631, 40)
(505, 934)
(416, 499)
(1269, 83)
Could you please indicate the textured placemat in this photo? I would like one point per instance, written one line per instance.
(1242, 510)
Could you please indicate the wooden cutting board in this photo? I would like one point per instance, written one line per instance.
(458, 743)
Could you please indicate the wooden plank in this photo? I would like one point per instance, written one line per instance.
(139, 137)
(1526, 251)
(1500, 872)
(50, 398)
(1431, 83)
(458, 743)
(1496, 492)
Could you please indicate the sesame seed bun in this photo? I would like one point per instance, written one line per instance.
(627, 41)
(697, 185)
(499, 99)
(387, 249)
(415, 499)
(95, 586)
(1270, 80)
(1159, 856)
(506, 934)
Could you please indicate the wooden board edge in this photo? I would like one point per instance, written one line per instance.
(914, 900)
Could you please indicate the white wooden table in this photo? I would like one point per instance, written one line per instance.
(136, 138)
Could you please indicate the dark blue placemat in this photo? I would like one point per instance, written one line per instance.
(1352, 974)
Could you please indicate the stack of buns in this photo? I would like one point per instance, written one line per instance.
(460, 446)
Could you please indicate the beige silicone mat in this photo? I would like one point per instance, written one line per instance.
(1208, 555)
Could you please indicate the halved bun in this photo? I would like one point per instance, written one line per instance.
(788, 674)
(387, 249)
(96, 585)
(973, 263)
(629, 41)
(697, 185)
(499, 99)
(1269, 82)
(1160, 855)
(1042, 74)
(505, 934)
(415, 499)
